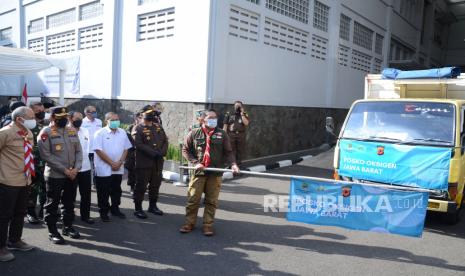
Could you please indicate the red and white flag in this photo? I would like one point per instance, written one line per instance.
(24, 95)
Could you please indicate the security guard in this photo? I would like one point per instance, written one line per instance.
(235, 125)
(151, 145)
(206, 147)
(38, 181)
(60, 148)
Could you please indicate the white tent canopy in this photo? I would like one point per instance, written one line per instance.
(14, 61)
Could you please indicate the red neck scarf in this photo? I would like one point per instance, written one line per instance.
(29, 169)
(206, 156)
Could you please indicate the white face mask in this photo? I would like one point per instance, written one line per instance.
(47, 116)
(211, 123)
(30, 124)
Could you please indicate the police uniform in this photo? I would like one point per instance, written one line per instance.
(38, 181)
(60, 149)
(205, 182)
(237, 132)
(151, 145)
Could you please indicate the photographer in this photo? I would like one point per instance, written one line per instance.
(235, 124)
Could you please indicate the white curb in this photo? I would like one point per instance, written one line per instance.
(306, 157)
(285, 163)
(260, 168)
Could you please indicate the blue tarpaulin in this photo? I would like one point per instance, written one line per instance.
(437, 73)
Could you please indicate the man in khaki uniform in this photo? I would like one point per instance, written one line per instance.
(16, 169)
(206, 147)
(151, 145)
(236, 124)
(60, 148)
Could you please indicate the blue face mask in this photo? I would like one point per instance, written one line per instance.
(114, 124)
(93, 114)
(211, 123)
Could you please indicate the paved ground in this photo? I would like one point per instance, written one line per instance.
(248, 241)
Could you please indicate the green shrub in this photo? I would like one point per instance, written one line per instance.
(173, 153)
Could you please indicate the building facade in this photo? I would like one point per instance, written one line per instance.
(293, 62)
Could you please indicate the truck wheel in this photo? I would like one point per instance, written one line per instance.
(452, 218)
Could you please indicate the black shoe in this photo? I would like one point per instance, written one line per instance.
(140, 214)
(105, 218)
(32, 219)
(155, 211)
(56, 238)
(117, 213)
(70, 232)
(88, 220)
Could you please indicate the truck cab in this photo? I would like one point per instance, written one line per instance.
(408, 132)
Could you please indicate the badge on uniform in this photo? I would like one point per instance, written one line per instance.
(148, 138)
(44, 137)
(58, 147)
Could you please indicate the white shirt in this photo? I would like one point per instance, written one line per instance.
(113, 144)
(84, 140)
(92, 127)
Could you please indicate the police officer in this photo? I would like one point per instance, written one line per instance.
(206, 147)
(235, 124)
(38, 181)
(60, 148)
(151, 145)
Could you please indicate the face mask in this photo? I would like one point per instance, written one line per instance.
(93, 114)
(238, 109)
(61, 123)
(157, 113)
(47, 116)
(212, 123)
(149, 118)
(77, 123)
(114, 124)
(40, 115)
(30, 124)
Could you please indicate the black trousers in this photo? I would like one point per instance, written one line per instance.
(84, 182)
(150, 177)
(92, 167)
(109, 187)
(13, 203)
(60, 190)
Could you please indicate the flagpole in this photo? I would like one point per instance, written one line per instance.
(330, 181)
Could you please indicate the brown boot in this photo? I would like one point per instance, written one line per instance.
(208, 230)
(186, 228)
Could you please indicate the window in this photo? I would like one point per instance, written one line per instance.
(143, 2)
(156, 25)
(344, 28)
(243, 24)
(285, 37)
(377, 66)
(61, 43)
(379, 44)
(360, 61)
(363, 36)
(295, 9)
(343, 55)
(319, 47)
(320, 16)
(6, 34)
(90, 10)
(91, 37)
(254, 1)
(36, 45)
(36, 25)
(62, 18)
(400, 51)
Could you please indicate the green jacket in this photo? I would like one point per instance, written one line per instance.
(220, 149)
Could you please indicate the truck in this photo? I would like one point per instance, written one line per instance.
(408, 132)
